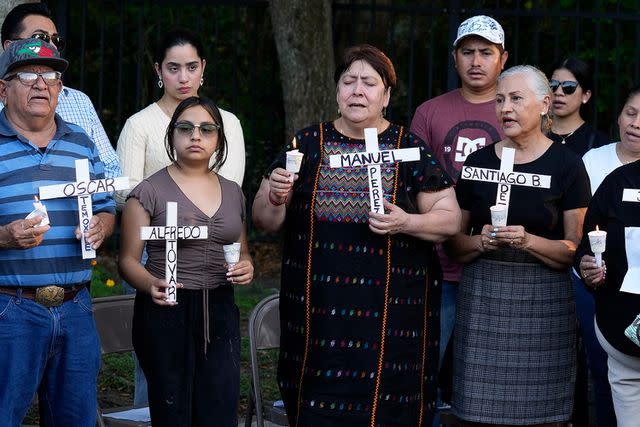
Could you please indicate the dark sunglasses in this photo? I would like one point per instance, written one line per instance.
(55, 39)
(568, 87)
(187, 128)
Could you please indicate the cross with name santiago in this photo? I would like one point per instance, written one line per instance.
(83, 189)
(171, 233)
(373, 160)
(505, 177)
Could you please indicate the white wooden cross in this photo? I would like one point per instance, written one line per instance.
(373, 159)
(631, 281)
(505, 177)
(171, 233)
(631, 195)
(83, 189)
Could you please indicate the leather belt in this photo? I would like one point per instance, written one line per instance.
(48, 296)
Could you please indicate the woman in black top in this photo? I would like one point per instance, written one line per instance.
(572, 85)
(616, 291)
(514, 361)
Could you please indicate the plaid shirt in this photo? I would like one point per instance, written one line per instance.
(76, 107)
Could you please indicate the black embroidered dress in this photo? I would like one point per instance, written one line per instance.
(359, 311)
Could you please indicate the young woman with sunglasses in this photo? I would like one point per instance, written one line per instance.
(572, 86)
(179, 67)
(571, 83)
(189, 349)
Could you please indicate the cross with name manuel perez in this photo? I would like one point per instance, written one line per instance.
(171, 233)
(83, 189)
(373, 160)
(505, 177)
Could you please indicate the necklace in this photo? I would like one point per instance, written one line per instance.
(564, 137)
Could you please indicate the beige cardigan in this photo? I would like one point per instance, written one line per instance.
(141, 147)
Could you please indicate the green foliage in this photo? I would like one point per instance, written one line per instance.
(101, 278)
(117, 373)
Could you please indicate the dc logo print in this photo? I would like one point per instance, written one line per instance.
(467, 146)
(464, 146)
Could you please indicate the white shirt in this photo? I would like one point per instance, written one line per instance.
(600, 162)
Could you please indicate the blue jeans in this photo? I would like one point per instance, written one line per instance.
(448, 301)
(140, 389)
(596, 356)
(447, 315)
(54, 351)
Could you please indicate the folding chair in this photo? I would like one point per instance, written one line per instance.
(114, 318)
(264, 334)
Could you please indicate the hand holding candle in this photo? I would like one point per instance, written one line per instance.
(39, 210)
(598, 240)
(294, 159)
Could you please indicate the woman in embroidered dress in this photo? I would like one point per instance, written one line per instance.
(572, 84)
(189, 349)
(514, 361)
(359, 290)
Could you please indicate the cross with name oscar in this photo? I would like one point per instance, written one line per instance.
(171, 233)
(373, 160)
(505, 177)
(83, 189)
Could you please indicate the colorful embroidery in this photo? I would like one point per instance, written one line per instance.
(343, 193)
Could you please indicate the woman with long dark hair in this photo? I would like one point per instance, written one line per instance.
(189, 349)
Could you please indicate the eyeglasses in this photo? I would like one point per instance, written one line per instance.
(568, 86)
(29, 78)
(55, 39)
(187, 128)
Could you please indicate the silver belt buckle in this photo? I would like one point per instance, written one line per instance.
(50, 296)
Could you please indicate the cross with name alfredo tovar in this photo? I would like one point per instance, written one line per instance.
(83, 189)
(373, 159)
(171, 233)
(505, 177)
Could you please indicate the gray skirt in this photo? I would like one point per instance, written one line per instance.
(515, 342)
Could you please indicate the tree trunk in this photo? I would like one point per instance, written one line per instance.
(302, 31)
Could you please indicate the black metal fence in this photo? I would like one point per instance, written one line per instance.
(111, 46)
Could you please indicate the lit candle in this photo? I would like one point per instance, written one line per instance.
(39, 209)
(598, 241)
(294, 159)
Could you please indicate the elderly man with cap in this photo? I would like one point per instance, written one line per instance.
(48, 337)
(461, 121)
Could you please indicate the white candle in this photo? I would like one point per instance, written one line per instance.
(498, 215)
(231, 253)
(598, 242)
(39, 209)
(294, 160)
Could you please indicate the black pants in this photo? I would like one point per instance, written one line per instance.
(186, 386)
